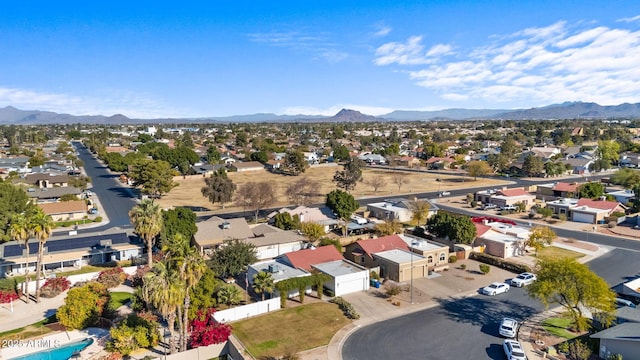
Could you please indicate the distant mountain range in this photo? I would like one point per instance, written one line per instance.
(567, 110)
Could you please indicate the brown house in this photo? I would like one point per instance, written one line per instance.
(65, 210)
(48, 181)
(362, 251)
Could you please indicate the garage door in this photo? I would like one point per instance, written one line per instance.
(351, 286)
(582, 218)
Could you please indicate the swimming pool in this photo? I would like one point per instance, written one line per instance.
(62, 353)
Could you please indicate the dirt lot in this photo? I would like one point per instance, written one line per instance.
(187, 193)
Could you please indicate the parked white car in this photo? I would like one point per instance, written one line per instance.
(508, 328)
(513, 350)
(489, 206)
(443, 193)
(523, 279)
(508, 208)
(495, 288)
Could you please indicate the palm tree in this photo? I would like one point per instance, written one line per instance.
(41, 226)
(229, 295)
(262, 283)
(146, 218)
(164, 291)
(19, 231)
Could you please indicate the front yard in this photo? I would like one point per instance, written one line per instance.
(290, 330)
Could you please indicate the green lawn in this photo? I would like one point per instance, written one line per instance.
(118, 299)
(556, 252)
(558, 326)
(290, 330)
(29, 331)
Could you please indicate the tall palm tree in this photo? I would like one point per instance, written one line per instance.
(262, 283)
(164, 290)
(190, 266)
(41, 226)
(19, 231)
(146, 218)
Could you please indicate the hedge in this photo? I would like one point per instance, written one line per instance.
(346, 307)
(499, 262)
(8, 284)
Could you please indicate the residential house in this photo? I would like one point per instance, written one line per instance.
(436, 163)
(52, 194)
(69, 252)
(557, 190)
(621, 339)
(279, 271)
(501, 239)
(595, 211)
(215, 231)
(46, 180)
(362, 252)
(396, 209)
(247, 166)
(346, 277)
(579, 165)
(271, 242)
(623, 196)
(562, 206)
(375, 159)
(506, 197)
(322, 215)
(307, 258)
(437, 255)
(629, 159)
(65, 210)
(401, 265)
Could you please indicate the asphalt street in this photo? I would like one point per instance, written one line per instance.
(464, 328)
(116, 200)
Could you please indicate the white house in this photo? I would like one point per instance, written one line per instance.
(501, 239)
(346, 277)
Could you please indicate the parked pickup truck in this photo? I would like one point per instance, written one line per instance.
(489, 206)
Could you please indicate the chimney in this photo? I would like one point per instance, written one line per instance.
(226, 225)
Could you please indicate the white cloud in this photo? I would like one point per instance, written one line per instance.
(383, 30)
(111, 102)
(630, 19)
(559, 62)
(320, 44)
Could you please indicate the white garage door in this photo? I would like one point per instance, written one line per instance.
(583, 218)
(351, 286)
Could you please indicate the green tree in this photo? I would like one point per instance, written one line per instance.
(229, 295)
(285, 221)
(132, 334)
(389, 227)
(146, 219)
(608, 150)
(545, 212)
(539, 237)
(178, 221)
(419, 211)
(478, 168)
(343, 205)
(83, 306)
(13, 200)
(202, 295)
(532, 166)
(233, 258)
(591, 190)
(164, 290)
(626, 177)
(348, 178)
(572, 285)
(154, 176)
(218, 188)
(20, 231)
(458, 228)
(41, 225)
(260, 156)
(263, 283)
(213, 155)
(312, 230)
(340, 152)
(295, 163)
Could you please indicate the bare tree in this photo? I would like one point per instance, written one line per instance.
(376, 182)
(304, 191)
(256, 196)
(399, 179)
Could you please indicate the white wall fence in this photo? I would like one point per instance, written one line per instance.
(73, 279)
(246, 311)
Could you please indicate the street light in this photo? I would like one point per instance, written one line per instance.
(413, 243)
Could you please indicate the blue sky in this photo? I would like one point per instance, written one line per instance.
(151, 59)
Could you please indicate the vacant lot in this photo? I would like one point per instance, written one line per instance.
(187, 193)
(307, 326)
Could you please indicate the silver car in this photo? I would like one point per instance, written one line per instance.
(523, 279)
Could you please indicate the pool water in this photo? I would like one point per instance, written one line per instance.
(64, 352)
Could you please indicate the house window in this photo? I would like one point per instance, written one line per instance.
(430, 259)
(443, 257)
(361, 259)
(563, 211)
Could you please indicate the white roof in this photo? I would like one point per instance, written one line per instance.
(399, 256)
(339, 267)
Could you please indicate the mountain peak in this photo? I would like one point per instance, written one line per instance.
(352, 115)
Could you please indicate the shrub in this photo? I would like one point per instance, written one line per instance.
(392, 289)
(614, 357)
(579, 350)
(138, 276)
(501, 263)
(98, 219)
(474, 204)
(132, 334)
(485, 268)
(83, 306)
(8, 284)
(463, 266)
(562, 217)
(54, 287)
(7, 296)
(374, 275)
(453, 259)
(206, 331)
(112, 277)
(346, 307)
(612, 224)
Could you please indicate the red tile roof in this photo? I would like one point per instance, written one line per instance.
(562, 186)
(391, 242)
(598, 204)
(513, 192)
(303, 259)
(481, 229)
(438, 159)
